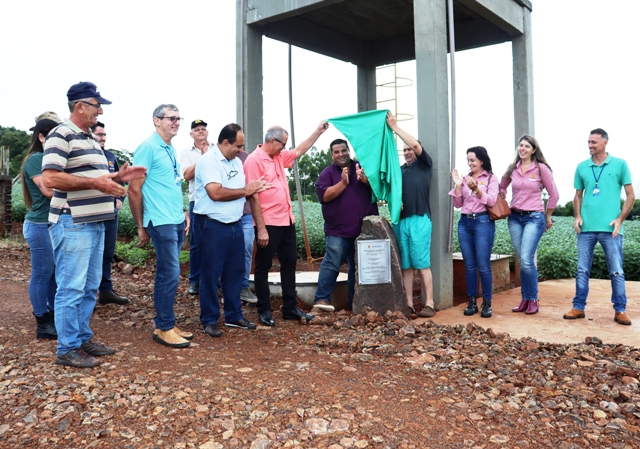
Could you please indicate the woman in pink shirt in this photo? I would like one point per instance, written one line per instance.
(476, 232)
(528, 175)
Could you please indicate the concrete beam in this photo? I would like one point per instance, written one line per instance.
(522, 51)
(249, 104)
(367, 100)
(508, 15)
(432, 85)
(264, 11)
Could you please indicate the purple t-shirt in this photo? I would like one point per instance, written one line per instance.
(343, 215)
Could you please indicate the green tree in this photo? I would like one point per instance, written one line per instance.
(19, 142)
(309, 168)
(122, 155)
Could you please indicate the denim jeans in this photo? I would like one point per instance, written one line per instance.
(110, 234)
(249, 236)
(338, 249)
(194, 263)
(42, 286)
(221, 257)
(613, 252)
(167, 242)
(476, 241)
(526, 232)
(77, 250)
(282, 241)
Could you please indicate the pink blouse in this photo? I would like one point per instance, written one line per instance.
(470, 202)
(527, 188)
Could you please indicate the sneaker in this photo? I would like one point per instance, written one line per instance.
(78, 359)
(323, 305)
(212, 330)
(97, 349)
(241, 324)
(112, 298)
(248, 297)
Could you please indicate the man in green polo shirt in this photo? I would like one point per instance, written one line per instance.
(598, 218)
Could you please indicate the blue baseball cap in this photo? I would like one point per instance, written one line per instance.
(85, 89)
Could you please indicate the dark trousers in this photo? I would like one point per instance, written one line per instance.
(282, 242)
(110, 234)
(194, 263)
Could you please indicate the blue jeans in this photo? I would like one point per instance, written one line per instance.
(77, 250)
(194, 263)
(526, 232)
(167, 242)
(613, 252)
(249, 236)
(338, 249)
(110, 234)
(476, 241)
(42, 286)
(221, 257)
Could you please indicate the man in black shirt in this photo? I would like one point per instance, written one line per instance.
(413, 232)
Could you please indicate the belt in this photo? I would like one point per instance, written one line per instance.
(222, 222)
(65, 211)
(475, 215)
(523, 212)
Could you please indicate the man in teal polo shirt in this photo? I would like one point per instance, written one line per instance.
(598, 218)
(157, 207)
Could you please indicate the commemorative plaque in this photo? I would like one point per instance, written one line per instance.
(374, 262)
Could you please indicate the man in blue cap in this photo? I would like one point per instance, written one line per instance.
(74, 166)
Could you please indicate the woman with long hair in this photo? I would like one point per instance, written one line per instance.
(528, 175)
(476, 231)
(42, 287)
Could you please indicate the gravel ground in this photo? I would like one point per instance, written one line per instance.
(344, 382)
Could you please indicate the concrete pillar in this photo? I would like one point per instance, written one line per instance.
(248, 79)
(430, 25)
(366, 88)
(522, 51)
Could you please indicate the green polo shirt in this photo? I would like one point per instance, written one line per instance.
(601, 209)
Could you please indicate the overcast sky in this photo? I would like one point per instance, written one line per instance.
(143, 53)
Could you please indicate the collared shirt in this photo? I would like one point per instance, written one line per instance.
(343, 215)
(213, 167)
(275, 202)
(527, 188)
(469, 202)
(70, 150)
(598, 210)
(162, 188)
(189, 157)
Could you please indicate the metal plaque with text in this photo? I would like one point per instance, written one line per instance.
(374, 262)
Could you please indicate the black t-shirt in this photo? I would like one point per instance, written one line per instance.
(416, 182)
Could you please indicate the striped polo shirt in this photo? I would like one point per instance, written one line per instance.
(70, 150)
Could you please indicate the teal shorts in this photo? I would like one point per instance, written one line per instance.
(414, 239)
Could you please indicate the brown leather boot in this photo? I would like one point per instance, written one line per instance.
(574, 314)
(183, 334)
(622, 318)
(170, 338)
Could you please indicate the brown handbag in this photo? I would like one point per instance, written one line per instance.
(500, 209)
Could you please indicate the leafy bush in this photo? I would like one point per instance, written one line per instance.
(127, 226)
(130, 253)
(18, 209)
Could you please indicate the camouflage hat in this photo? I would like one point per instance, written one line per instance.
(49, 115)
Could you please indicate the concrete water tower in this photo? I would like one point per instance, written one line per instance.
(372, 33)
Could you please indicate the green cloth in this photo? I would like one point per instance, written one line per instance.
(375, 147)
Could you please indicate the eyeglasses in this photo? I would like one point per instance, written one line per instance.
(100, 135)
(231, 174)
(173, 119)
(95, 105)
(278, 140)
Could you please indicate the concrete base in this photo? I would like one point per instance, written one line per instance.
(306, 286)
(499, 272)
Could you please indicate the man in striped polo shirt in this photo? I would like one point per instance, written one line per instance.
(76, 168)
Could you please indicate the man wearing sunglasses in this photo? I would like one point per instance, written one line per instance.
(74, 166)
(273, 215)
(157, 207)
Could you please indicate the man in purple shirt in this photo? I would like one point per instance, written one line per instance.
(345, 195)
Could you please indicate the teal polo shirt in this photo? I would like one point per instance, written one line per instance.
(601, 209)
(162, 188)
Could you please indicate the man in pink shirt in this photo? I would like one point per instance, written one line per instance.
(273, 216)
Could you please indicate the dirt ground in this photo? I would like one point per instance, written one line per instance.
(353, 382)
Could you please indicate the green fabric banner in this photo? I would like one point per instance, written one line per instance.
(375, 147)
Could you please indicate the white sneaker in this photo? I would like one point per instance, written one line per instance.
(248, 297)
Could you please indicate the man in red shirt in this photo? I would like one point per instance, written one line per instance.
(273, 216)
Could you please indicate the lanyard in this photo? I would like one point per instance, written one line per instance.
(597, 178)
(173, 161)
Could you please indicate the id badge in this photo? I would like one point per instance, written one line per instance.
(596, 191)
(178, 181)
